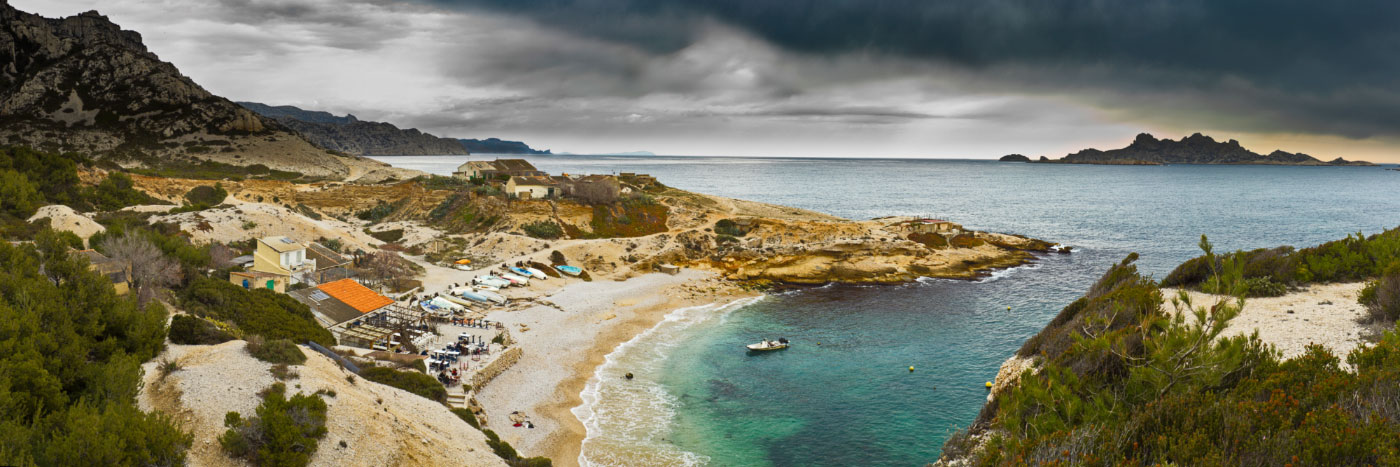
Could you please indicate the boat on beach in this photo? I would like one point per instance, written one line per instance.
(458, 301)
(515, 279)
(522, 272)
(767, 345)
(570, 270)
(491, 281)
(492, 296)
(536, 273)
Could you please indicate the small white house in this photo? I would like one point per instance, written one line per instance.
(282, 256)
(532, 187)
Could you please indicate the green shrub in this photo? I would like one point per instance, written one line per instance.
(283, 432)
(467, 416)
(1382, 296)
(377, 213)
(505, 451)
(189, 330)
(283, 372)
(411, 381)
(387, 236)
(279, 351)
(71, 363)
(256, 312)
(1163, 389)
(547, 230)
(207, 196)
(18, 196)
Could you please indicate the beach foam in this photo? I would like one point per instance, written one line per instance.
(627, 421)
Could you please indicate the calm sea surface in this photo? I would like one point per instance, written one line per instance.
(843, 395)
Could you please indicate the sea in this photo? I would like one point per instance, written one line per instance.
(845, 394)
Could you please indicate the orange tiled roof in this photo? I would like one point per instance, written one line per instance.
(357, 296)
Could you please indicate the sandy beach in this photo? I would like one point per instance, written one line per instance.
(1324, 314)
(565, 337)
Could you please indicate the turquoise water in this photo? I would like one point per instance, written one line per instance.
(852, 400)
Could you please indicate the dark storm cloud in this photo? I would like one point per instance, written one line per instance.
(1287, 65)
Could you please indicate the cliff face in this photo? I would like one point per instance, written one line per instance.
(498, 146)
(83, 84)
(84, 71)
(351, 135)
(1194, 149)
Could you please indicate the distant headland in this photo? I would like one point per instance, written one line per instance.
(1194, 149)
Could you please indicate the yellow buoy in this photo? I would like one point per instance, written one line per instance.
(911, 369)
(989, 385)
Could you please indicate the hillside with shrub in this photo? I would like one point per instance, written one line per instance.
(1118, 381)
(70, 365)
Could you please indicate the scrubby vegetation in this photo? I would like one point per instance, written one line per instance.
(1272, 270)
(438, 182)
(256, 312)
(210, 170)
(411, 381)
(284, 431)
(189, 330)
(632, 217)
(279, 351)
(203, 197)
(30, 179)
(505, 451)
(1382, 296)
(1122, 383)
(386, 236)
(547, 230)
(379, 211)
(70, 366)
(730, 228)
(467, 416)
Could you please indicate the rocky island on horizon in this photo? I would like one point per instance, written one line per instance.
(1194, 149)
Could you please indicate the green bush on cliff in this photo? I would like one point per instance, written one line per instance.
(1354, 258)
(1122, 383)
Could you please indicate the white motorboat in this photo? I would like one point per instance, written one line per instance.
(766, 345)
(536, 273)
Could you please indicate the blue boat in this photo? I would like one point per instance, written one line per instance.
(570, 270)
(522, 272)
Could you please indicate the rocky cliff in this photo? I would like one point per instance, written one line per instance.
(1194, 149)
(499, 146)
(83, 84)
(351, 135)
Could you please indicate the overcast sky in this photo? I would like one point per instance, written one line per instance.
(897, 78)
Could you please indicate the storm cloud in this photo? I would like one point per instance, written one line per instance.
(1326, 67)
(950, 78)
